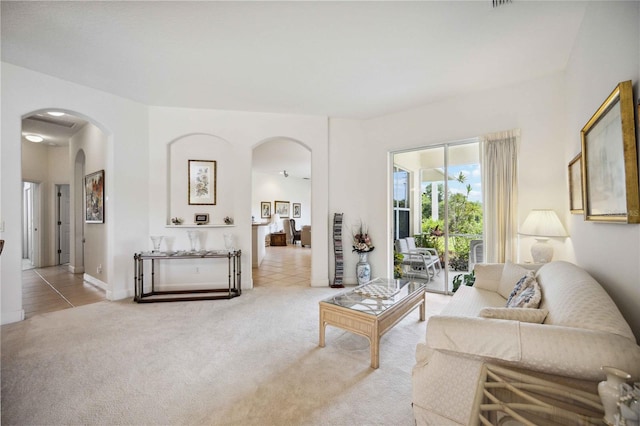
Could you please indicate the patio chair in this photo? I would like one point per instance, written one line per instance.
(426, 251)
(476, 253)
(416, 265)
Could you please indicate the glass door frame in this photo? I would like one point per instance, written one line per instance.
(392, 166)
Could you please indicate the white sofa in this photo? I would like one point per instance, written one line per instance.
(582, 331)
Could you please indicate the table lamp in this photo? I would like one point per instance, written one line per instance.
(542, 224)
(276, 223)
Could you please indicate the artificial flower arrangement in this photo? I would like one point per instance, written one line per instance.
(362, 241)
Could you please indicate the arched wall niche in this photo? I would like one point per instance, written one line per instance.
(201, 147)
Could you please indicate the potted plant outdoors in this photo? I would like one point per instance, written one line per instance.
(466, 279)
(397, 265)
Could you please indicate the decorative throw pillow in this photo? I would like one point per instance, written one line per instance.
(536, 316)
(520, 286)
(511, 274)
(530, 297)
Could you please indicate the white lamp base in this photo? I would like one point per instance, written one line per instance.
(541, 251)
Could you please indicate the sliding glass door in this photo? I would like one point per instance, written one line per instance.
(438, 201)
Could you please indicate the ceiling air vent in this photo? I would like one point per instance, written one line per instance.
(497, 3)
(52, 120)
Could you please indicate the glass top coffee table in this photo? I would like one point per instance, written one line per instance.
(372, 309)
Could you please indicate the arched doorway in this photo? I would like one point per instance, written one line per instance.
(281, 204)
(57, 149)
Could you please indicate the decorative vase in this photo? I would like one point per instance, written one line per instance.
(156, 240)
(363, 269)
(193, 239)
(609, 391)
(228, 242)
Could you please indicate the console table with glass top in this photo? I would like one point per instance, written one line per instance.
(372, 309)
(234, 288)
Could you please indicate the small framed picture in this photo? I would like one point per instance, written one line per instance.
(202, 182)
(201, 218)
(297, 210)
(281, 208)
(265, 209)
(94, 197)
(575, 185)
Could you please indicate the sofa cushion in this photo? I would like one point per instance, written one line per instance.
(468, 301)
(529, 297)
(511, 274)
(532, 315)
(520, 286)
(488, 275)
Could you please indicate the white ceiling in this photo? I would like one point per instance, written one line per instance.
(56, 131)
(339, 59)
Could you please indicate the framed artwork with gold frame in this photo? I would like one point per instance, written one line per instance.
(610, 160)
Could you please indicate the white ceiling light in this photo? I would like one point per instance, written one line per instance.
(34, 138)
(55, 113)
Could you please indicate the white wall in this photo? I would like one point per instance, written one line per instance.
(357, 179)
(607, 51)
(270, 187)
(241, 131)
(124, 122)
(93, 142)
(360, 160)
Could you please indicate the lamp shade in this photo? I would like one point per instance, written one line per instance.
(543, 223)
(276, 222)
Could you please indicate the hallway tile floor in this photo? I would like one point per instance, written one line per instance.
(284, 267)
(54, 288)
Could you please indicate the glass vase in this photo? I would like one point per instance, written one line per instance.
(156, 240)
(193, 239)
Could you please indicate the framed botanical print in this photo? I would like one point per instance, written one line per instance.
(202, 182)
(265, 209)
(297, 210)
(575, 185)
(281, 208)
(610, 160)
(94, 197)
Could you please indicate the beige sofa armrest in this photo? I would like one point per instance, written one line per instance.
(566, 351)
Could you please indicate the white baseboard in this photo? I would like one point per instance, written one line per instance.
(93, 280)
(192, 286)
(15, 316)
(76, 269)
(320, 283)
(120, 294)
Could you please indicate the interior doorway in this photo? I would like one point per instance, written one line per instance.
(63, 223)
(30, 225)
(280, 201)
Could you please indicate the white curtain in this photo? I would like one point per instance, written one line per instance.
(500, 180)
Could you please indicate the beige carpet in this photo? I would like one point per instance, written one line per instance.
(253, 360)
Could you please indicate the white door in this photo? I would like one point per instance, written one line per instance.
(64, 224)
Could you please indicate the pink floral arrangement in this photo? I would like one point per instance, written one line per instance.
(361, 240)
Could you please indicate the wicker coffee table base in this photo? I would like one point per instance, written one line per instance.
(370, 326)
